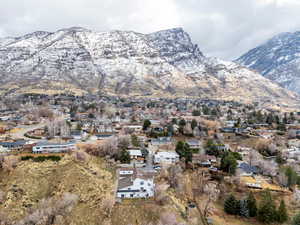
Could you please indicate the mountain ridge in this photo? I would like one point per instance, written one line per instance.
(278, 59)
(163, 63)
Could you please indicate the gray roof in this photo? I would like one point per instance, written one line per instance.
(247, 168)
(125, 182)
(45, 143)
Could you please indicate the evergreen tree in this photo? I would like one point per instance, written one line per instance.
(281, 127)
(296, 220)
(170, 129)
(206, 110)
(194, 124)
(267, 210)
(174, 121)
(229, 163)
(243, 208)
(292, 176)
(184, 151)
(282, 215)
(182, 123)
(277, 119)
(270, 119)
(135, 141)
(146, 125)
(124, 157)
(196, 113)
(230, 205)
(251, 201)
(238, 123)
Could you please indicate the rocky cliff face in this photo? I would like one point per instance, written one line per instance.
(165, 63)
(278, 59)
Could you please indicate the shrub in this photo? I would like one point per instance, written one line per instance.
(25, 158)
(296, 220)
(230, 205)
(251, 201)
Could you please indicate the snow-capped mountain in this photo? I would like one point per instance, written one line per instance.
(164, 63)
(278, 59)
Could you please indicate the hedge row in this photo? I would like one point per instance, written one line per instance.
(41, 158)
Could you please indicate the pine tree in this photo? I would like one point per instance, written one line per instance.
(267, 210)
(194, 124)
(229, 163)
(282, 215)
(243, 208)
(147, 124)
(296, 220)
(124, 157)
(251, 201)
(230, 205)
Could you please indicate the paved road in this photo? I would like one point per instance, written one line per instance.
(24, 129)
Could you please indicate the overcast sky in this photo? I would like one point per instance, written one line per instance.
(222, 28)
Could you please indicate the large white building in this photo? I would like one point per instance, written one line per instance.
(166, 157)
(48, 147)
(135, 184)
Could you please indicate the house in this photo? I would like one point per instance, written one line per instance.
(194, 144)
(47, 147)
(223, 147)
(244, 169)
(136, 154)
(126, 171)
(77, 135)
(230, 123)
(161, 141)
(3, 149)
(227, 130)
(134, 128)
(204, 160)
(154, 123)
(13, 145)
(103, 136)
(135, 184)
(166, 157)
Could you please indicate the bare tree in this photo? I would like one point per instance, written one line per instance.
(254, 157)
(107, 205)
(80, 156)
(168, 218)
(175, 173)
(212, 192)
(296, 197)
(50, 209)
(2, 196)
(9, 163)
(161, 196)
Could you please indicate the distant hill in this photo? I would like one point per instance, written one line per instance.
(278, 59)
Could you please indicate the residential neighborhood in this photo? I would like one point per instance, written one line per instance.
(160, 151)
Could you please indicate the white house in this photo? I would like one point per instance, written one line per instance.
(194, 144)
(3, 149)
(166, 157)
(47, 147)
(126, 171)
(135, 154)
(135, 185)
(135, 128)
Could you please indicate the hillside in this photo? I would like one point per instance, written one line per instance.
(165, 63)
(278, 59)
(31, 182)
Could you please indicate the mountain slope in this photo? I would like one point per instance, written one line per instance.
(278, 59)
(164, 63)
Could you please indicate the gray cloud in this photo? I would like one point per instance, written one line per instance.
(222, 28)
